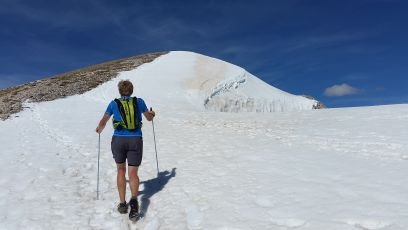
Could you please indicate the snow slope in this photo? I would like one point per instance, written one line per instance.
(314, 169)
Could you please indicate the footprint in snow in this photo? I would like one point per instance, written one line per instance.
(404, 157)
(368, 224)
(263, 201)
(288, 222)
(194, 217)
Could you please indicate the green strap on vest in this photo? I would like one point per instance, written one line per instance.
(129, 114)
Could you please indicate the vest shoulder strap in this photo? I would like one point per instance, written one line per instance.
(136, 107)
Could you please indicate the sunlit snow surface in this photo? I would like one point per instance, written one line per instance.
(310, 169)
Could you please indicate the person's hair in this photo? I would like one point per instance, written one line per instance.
(125, 88)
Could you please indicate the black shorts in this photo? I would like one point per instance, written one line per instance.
(130, 148)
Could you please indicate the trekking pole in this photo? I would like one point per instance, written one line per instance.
(99, 153)
(155, 148)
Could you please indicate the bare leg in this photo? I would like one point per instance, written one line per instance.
(121, 181)
(134, 180)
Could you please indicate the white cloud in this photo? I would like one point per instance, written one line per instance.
(341, 90)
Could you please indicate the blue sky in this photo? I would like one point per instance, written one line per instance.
(344, 53)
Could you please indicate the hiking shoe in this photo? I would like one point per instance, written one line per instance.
(123, 208)
(134, 210)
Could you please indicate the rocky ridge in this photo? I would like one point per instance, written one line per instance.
(67, 84)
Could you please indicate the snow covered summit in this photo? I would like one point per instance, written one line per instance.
(217, 85)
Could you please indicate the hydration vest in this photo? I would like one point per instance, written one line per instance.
(129, 114)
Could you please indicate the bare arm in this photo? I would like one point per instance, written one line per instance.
(149, 115)
(102, 123)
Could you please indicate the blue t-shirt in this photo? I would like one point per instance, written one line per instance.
(113, 109)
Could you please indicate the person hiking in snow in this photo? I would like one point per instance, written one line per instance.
(127, 142)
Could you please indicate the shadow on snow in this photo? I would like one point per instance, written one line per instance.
(153, 186)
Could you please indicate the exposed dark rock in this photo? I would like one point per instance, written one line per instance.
(319, 104)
